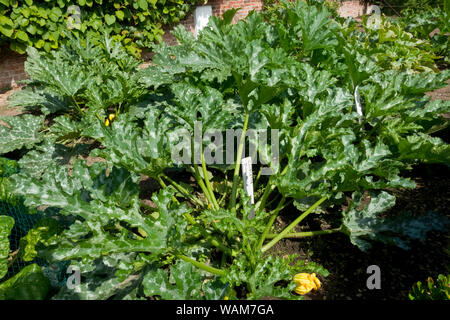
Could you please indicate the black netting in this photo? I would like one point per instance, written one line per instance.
(24, 220)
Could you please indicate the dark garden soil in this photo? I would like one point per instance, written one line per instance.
(400, 269)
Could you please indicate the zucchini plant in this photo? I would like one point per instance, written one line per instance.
(343, 141)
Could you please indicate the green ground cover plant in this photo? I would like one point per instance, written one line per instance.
(431, 25)
(42, 23)
(350, 124)
(438, 289)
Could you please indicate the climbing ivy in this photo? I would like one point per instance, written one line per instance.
(42, 23)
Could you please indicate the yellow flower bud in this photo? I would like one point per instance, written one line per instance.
(306, 282)
(110, 119)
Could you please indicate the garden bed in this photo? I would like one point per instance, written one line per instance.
(353, 163)
(400, 269)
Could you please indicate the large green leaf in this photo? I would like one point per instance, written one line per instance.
(424, 148)
(313, 24)
(276, 282)
(366, 224)
(207, 106)
(140, 150)
(36, 161)
(6, 225)
(64, 78)
(99, 282)
(244, 51)
(184, 283)
(32, 98)
(20, 132)
(29, 284)
(100, 199)
(42, 232)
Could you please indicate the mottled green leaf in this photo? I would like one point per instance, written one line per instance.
(6, 225)
(29, 284)
(20, 132)
(184, 282)
(32, 98)
(366, 224)
(276, 282)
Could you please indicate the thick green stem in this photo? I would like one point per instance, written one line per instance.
(221, 200)
(202, 185)
(163, 184)
(223, 259)
(270, 223)
(258, 176)
(208, 184)
(213, 241)
(260, 205)
(250, 254)
(188, 217)
(269, 188)
(198, 177)
(77, 105)
(202, 266)
(304, 234)
(184, 191)
(292, 225)
(238, 164)
(216, 243)
(278, 209)
(99, 118)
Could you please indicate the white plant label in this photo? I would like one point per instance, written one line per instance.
(358, 103)
(374, 20)
(201, 17)
(248, 180)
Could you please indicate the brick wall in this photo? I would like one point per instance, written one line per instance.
(351, 8)
(12, 68)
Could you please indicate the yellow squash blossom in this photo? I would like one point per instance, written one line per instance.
(306, 282)
(110, 119)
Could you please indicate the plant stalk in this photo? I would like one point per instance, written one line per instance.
(201, 265)
(216, 243)
(208, 184)
(269, 188)
(163, 184)
(238, 164)
(202, 185)
(270, 223)
(262, 202)
(184, 191)
(304, 234)
(192, 221)
(258, 176)
(77, 105)
(292, 225)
